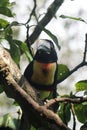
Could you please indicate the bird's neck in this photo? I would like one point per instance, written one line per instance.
(43, 73)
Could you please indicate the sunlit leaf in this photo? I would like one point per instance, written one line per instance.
(81, 112)
(6, 11)
(4, 3)
(73, 18)
(63, 72)
(53, 37)
(7, 121)
(3, 23)
(81, 85)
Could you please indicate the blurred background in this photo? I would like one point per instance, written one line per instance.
(70, 34)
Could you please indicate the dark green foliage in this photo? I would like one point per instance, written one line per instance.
(4, 8)
(63, 72)
(23, 48)
(64, 112)
(4, 3)
(5, 11)
(52, 36)
(81, 112)
(17, 48)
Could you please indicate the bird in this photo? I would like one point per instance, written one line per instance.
(42, 71)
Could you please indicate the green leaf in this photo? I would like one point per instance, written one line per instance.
(64, 112)
(63, 72)
(4, 3)
(15, 52)
(81, 85)
(81, 112)
(32, 128)
(73, 18)
(8, 33)
(23, 47)
(54, 38)
(8, 121)
(14, 49)
(3, 23)
(6, 11)
(14, 23)
(15, 103)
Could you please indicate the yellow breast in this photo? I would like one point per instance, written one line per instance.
(43, 74)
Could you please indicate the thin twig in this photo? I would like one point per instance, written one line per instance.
(83, 63)
(45, 20)
(74, 119)
(85, 50)
(36, 113)
(32, 12)
(27, 41)
(67, 100)
(72, 71)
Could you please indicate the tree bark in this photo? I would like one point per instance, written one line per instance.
(36, 113)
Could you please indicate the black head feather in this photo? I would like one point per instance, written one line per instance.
(46, 52)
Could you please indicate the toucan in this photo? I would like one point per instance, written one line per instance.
(41, 73)
(42, 70)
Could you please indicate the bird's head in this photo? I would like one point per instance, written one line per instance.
(46, 52)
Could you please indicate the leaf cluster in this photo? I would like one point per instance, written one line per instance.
(17, 48)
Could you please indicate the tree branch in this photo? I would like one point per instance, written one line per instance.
(45, 20)
(32, 12)
(75, 100)
(34, 111)
(37, 113)
(83, 63)
(85, 50)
